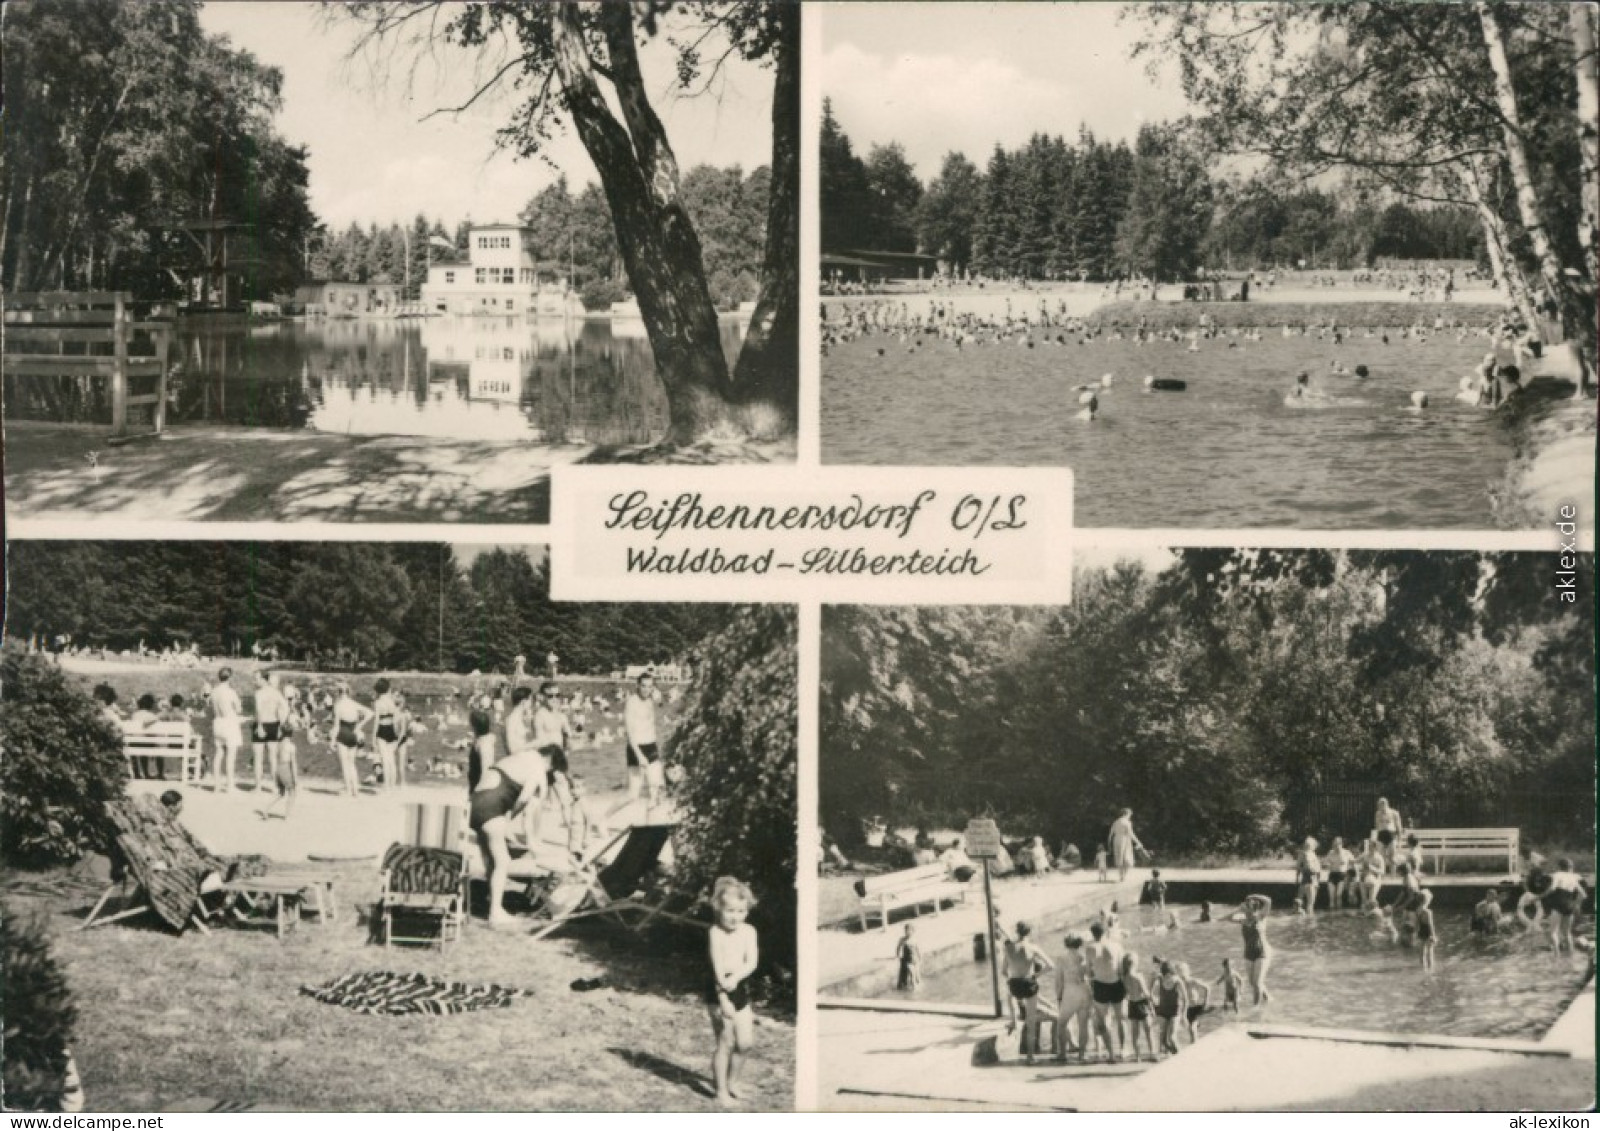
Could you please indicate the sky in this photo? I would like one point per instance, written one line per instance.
(374, 159)
(938, 77)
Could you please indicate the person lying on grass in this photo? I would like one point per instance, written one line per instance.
(734, 953)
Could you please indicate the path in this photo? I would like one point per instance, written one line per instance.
(333, 826)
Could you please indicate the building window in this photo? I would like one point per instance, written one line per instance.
(449, 276)
(527, 276)
(479, 276)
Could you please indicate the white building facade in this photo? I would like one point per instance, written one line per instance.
(500, 278)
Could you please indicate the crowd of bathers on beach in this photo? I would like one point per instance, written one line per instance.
(374, 743)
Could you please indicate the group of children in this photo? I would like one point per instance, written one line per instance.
(1103, 1004)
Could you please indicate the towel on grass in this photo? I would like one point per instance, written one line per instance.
(388, 994)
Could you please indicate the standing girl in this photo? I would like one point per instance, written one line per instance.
(734, 955)
(1138, 1005)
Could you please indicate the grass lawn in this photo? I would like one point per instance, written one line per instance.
(166, 1019)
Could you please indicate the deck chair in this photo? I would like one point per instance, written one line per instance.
(619, 886)
(158, 867)
(422, 895)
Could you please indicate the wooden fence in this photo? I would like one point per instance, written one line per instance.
(60, 346)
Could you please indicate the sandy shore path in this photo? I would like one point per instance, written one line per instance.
(330, 826)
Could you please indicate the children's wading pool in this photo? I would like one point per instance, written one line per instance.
(1338, 971)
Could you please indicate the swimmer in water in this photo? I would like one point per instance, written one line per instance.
(1419, 401)
(1091, 407)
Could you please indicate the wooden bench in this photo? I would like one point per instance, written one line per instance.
(1441, 844)
(85, 335)
(166, 740)
(930, 884)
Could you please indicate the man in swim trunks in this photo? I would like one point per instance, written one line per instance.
(643, 752)
(551, 734)
(272, 714)
(1025, 961)
(1104, 956)
(227, 734)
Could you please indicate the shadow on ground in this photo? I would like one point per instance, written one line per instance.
(259, 474)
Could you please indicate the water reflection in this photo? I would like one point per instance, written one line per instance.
(446, 378)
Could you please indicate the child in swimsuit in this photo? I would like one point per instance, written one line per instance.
(1138, 1005)
(1154, 896)
(1425, 928)
(1172, 1004)
(1199, 1000)
(1100, 862)
(734, 954)
(909, 955)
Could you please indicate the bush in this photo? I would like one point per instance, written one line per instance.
(737, 746)
(39, 1017)
(63, 762)
(599, 294)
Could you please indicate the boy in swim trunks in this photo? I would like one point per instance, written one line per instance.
(1231, 982)
(643, 751)
(1199, 1001)
(1025, 961)
(1138, 993)
(551, 734)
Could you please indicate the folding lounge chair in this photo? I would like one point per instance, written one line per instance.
(621, 889)
(423, 889)
(160, 861)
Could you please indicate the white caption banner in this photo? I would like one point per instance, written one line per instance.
(843, 535)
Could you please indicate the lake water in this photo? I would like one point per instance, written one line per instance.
(1333, 971)
(447, 378)
(1226, 452)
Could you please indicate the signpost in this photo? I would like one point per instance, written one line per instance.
(983, 844)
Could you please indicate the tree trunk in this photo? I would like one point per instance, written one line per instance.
(768, 370)
(1496, 240)
(655, 235)
(20, 277)
(1583, 44)
(1577, 315)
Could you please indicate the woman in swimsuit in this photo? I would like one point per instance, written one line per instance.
(485, 746)
(504, 791)
(1562, 901)
(1257, 951)
(386, 734)
(348, 719)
